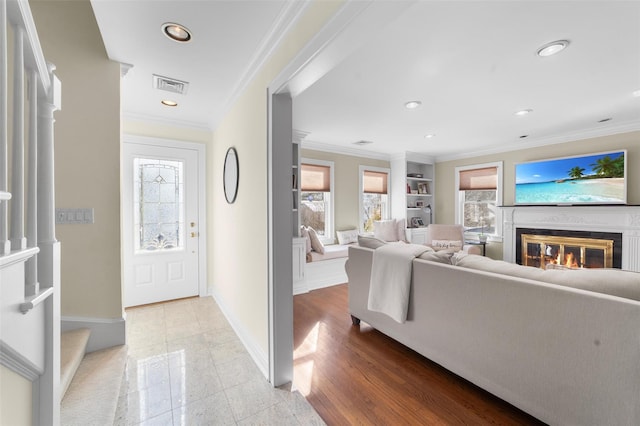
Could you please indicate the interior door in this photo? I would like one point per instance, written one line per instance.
(160, 226)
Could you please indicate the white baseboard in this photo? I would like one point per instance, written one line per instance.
(105, 332)
(257, 354)
(300, 287)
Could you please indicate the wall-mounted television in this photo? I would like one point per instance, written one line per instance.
(599, 178)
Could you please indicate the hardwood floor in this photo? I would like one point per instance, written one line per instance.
(356, 375)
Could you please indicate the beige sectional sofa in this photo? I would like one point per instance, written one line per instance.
(566, 355)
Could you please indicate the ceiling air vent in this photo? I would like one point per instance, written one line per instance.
(170, 84)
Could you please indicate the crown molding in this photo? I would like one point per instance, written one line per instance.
(551, 140)
(337, 149)
(288, 16)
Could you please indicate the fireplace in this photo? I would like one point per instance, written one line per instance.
(572, 249)
(601, 220)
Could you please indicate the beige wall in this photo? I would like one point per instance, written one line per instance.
(237, 245)
(345, 175)
(15, 398)
(87, 155)
(445, 171)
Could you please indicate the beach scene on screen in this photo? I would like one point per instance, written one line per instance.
(589, 179)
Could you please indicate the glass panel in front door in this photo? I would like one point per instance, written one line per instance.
(158, 205)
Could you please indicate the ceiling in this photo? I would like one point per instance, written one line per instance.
(472, 64)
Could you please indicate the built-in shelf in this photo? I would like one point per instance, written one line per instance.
(413, 176)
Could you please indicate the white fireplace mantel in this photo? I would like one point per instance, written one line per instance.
(622, 219)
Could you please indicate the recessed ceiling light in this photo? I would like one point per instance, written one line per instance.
(429, 136)
(360, 143)
(524, 112)
(605, 120)
(412, 104)
(636, 93)
(552, 48)
(167, 102)
(176, 32)
(524, 136)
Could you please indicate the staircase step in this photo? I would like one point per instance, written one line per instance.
(73, 345)
(92, 398)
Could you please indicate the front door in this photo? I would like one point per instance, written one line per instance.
(160, 226)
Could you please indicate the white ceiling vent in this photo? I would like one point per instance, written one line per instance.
(170, 84)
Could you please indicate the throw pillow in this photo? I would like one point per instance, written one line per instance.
(446, 245)
(370, 242)
(304, 232)
(442, 256)
(316, 244)
(401, 226)
(385, 230)
(347, 237)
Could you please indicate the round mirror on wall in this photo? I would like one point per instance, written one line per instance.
(231, 175)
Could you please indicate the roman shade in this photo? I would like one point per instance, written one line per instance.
(479, 179)
(375, 182)
(314, 178)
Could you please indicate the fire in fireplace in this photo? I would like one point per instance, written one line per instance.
(572, 249)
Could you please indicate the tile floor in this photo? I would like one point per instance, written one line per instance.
(186, 366)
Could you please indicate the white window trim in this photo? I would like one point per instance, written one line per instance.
(329, 227)
(497, 237)
(361, 170)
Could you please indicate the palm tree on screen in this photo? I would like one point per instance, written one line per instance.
(605, 166)
(576, 172)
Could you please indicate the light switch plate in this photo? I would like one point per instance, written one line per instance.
(74, 216)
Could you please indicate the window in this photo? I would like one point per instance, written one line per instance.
(479, 192)
(316, 197)
(374, 196)
(159, 204)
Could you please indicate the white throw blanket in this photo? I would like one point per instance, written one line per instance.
(391, 279)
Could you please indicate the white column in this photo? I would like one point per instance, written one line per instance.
(49, 256)
(46, 189)
(31, 286)
(5, 244)
(18, 241)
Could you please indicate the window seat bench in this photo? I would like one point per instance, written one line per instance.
(323, 270)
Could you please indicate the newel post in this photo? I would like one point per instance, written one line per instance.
(49, 255)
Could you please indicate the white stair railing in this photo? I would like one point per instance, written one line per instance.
(5, 196)
(29, 251)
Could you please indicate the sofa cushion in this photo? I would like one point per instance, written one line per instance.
(614, 282)
(442, 256)
(385, 230)
(370, 242)
(401, 226)
(474, 261)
